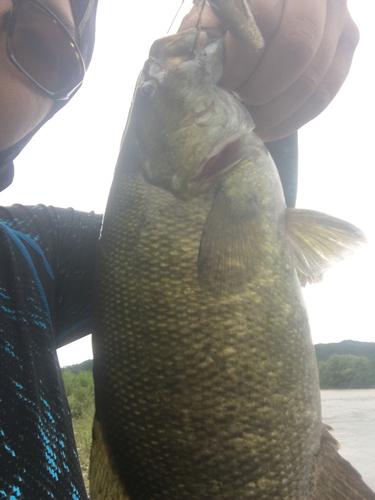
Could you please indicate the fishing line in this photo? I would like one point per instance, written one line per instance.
(199, 3)
(178, 11)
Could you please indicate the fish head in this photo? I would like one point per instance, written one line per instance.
(188, 131)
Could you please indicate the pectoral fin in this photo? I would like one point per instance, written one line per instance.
(317, 241)
(229, 248)
(105, 484)
(335, 477)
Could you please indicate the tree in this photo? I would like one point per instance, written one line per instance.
(347, 372)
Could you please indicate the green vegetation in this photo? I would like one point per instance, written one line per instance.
(79, 387)
(342, 371)
(346, 365)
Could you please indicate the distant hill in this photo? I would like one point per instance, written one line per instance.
(81, 367)
(363, 349)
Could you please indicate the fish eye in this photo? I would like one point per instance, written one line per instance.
(148, 89)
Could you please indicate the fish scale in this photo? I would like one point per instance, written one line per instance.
(185, 352)
(206, 383)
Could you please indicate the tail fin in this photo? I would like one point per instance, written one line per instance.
(336, 478)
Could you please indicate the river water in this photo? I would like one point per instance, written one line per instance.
(351, 413)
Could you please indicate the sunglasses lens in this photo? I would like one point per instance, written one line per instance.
(43, 49)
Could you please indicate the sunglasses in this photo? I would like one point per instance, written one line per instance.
(42, 48)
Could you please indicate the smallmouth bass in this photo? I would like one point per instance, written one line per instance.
(205, 374)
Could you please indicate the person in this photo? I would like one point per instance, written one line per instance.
(308, 52)
(48, 254)
(306, 57)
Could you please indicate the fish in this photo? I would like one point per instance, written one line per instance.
(238, 18)
(206, 381)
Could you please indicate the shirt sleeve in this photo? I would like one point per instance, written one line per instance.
(64, 241)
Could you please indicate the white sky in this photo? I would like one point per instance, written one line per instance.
(71, 161)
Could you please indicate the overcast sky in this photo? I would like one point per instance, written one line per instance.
(71, 161)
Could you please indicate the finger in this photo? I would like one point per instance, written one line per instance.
(325, 92)
(238, 63)
(287, 103)
(206, 18)
(268, 15)
(288, 53)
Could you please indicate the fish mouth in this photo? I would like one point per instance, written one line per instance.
(226, 159)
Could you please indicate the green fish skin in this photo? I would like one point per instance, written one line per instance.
(206, 381)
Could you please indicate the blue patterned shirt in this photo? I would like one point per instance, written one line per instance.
(46, 277)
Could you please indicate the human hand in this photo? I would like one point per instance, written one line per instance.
(309, 46)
